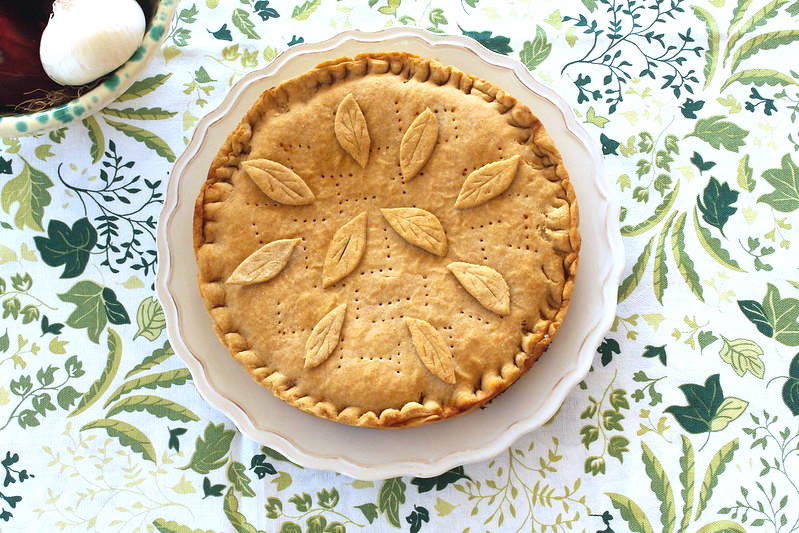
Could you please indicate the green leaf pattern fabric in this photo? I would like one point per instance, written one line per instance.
(689, 418)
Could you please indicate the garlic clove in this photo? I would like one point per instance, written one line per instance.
(86, 39)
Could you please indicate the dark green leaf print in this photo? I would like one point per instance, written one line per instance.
(703, 403)
(790, 390)
(660, 270)
(97, 138)
(685, 264)
(237, 520)
(369, 511)
(629, 283)
(719, 132)
(496, 43)
(756, 314)
(223, 33)
(782, 314)
(143, 88)
(439, 482)
(716, 203)
(536, 51)
(656, 351)
(67, 247)
(237, 475)
(102, 383)
(142, 113)
(700, 163)
(158, 356)
(713, 246)
(156, 406)
(151, 381)
(174, 438)
(95, 307)
(211, 449)
(609, 146)
(785, 181)
(126, 434)
(418, 516)
(29, 190)
(150, 139)
(606, 349)
(211, 490)
(390, 497)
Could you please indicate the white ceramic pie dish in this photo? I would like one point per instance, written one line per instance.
(380, 454)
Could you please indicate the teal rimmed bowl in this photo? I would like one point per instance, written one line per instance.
(103, 94)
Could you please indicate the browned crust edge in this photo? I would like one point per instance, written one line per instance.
(534, 343)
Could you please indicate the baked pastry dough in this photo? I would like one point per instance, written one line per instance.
(385, 241)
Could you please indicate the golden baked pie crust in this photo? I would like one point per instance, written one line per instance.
(418, 330)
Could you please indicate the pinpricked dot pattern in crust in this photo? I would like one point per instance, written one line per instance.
(373, 378)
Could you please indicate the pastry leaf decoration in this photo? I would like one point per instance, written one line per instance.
(351, 130)
(345, 251)
(279, 183)
(432, 349)
(264, 263)
(485, 284)
(487, 182)
(419, 227)
(324, 337)
(418, 144)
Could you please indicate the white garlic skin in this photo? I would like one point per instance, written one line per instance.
(86, 39)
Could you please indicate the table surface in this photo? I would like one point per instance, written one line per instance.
(687, 421)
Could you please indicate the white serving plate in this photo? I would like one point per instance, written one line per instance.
(380, 454)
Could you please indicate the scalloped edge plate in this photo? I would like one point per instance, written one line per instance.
(428, 450)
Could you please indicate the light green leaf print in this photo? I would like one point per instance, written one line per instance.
(102, 383)
(158, 356)
(785, 181)
(713, 246)
(766, 41)
(151, 381)
(718, 132)
(237, 520)
(631, 282)
(536, 51)
(306, 9)
(592, 118)
(713, 39)
(168, 526)
(660, 280)
(631, 513)
(95, 307)
(43, 152)
(144, 87)
(211, 449)
(156, 406)
(716, 467)
(96, 137)
(241, 19)
(782, 314)
(729, 410)
(659, 214)
(745, 180)
(760, 17)
(743, 355)
(237, 475)
(390, 497)
(661, 486)
(150, 319)
(722, 526)
(759, 77)
(738, 13)
(29, 191)
(150, 139)
(389, 9)
(126, 434)
(142, 113)
(687, 480)
(685, 264)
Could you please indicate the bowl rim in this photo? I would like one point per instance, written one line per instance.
(281, 440)
(117, 82)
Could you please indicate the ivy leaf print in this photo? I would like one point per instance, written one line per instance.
(785, 180)
(95, 307)
(261, 468)
(743, 355)
(719, 132)
(223, 34)
(607, 349)
(211, 449)
(716, 203)
(496, 43)
(369, 511)
(790, 390)
(700, 163)
(417, 517)
(730, 409)
(70, 247)
(439, 482)
(29, 191)
(174, 438)
(707, 410)
(263, 10)
(536, 51)
(689, 108)
(211, 490)
(390, 497)
(782, 314)
(656, 351)
(609, 146)
(5, 166)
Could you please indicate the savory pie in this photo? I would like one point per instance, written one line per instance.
(385, 241)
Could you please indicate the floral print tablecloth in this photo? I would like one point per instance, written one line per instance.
(688, 420)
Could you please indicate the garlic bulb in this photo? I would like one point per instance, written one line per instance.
(86, 39)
